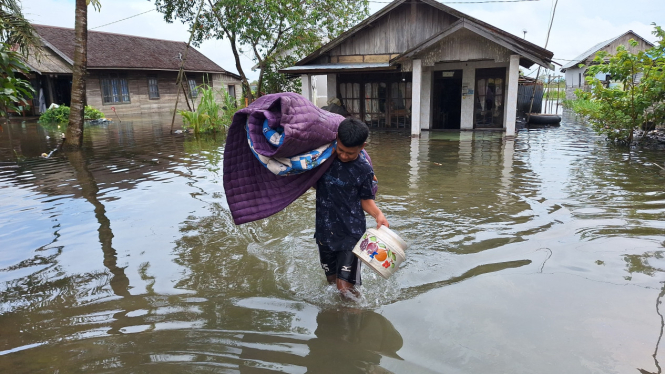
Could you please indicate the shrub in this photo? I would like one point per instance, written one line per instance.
(92, 113)
(210, 116)
(61, 114)
(639, 98)
(55, 115)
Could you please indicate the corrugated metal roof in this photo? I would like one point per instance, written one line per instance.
(586, 54)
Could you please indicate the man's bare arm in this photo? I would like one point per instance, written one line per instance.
(370, 207)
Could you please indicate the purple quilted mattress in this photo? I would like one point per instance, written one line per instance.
(252, 191)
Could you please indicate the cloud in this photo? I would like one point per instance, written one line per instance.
(578, 25)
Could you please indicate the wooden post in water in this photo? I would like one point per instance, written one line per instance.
(543, 109)
(558, 84)
(552, 104)
(182, 67)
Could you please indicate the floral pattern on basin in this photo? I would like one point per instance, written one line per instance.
(377, 251)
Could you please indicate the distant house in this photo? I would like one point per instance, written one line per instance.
(421, 65)
(132, 74)
(575, 74)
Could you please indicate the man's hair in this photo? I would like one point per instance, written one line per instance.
(352, 132)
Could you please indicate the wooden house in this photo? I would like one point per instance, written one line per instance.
(575, 69)
(420, 64)
(133, 75)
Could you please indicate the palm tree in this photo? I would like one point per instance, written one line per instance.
(74, 135)
(15, 30)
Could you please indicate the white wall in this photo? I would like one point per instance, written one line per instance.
(320, 90)
(573, 77)
(468, 80)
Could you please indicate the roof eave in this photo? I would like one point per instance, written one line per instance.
(162, 69)
(480, 29)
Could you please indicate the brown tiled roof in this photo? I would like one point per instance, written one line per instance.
(117, 51)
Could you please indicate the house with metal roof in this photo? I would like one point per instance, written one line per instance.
(133, 75)
(576, 68)
(422, 65)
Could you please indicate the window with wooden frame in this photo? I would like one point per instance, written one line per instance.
(375, 103)
(489, 98)
(115, 89)
(385, 98)
(232, 93)
(193, 91)
(400, 104)
(153, 87)
(350, 95)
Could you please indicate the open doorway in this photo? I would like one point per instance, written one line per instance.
(446, 99)
(57, 89)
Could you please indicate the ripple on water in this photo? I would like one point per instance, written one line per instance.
(131, 258)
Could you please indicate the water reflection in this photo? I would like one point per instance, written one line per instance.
(344, 340)
(352, 341)
(119, 282)
(541, 225)
(660, 336)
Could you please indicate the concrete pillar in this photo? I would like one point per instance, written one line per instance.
(416, 86)
(510, 110)
(426, 99)
(468, 96)
(306, 86)
(331, 90)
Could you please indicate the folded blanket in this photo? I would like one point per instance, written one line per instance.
(289, 165)
(252, 191)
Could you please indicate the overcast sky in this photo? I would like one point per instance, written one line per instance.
(578, 24)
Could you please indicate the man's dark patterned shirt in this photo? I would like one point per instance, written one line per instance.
(340, 219)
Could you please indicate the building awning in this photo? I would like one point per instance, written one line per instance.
(338, 68)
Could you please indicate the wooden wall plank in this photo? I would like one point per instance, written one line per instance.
(140, 104)
(396, 31)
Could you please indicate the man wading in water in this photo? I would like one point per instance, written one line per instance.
(343, 194)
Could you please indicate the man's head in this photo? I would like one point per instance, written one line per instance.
(351, 137)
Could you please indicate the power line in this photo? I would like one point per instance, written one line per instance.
(110, 23)
(371, 1)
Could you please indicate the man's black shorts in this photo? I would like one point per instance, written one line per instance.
(344, 264)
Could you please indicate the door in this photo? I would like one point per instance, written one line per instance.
(488, 106)
(446, 99)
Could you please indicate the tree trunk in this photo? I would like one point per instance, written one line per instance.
(74, 136)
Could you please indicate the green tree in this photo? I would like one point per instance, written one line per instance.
(74, 135)
(14, 91)
(17, 37)
(276, 82)
(15, 30)
(638, 99)
(268, 28)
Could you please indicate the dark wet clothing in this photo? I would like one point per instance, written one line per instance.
(342, 264)
(340, 219)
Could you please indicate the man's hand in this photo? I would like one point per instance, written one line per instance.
(381, 221)
(370, 207)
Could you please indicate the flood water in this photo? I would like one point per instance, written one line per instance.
(542, 254)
